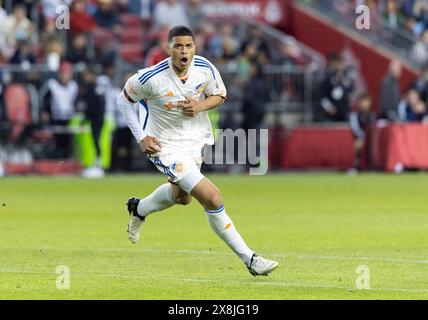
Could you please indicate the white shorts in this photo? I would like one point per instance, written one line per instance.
(181, 168)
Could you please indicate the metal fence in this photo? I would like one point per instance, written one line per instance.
(291, 89)
(291, 92)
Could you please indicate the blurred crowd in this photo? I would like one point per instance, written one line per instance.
(338, 87)
(410, 16)
(81, 70)
(392, 20)
(76, 71)
(24, 41)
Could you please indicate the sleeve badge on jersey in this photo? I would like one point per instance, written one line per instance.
(130, 89)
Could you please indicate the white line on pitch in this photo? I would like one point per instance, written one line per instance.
(213, 252)
(281, 255)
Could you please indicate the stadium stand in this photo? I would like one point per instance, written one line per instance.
(130, 34)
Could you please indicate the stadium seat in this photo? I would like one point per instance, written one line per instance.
(131, 53)
(132, 36)
(131, 21)
(103, 38)
(17, 101)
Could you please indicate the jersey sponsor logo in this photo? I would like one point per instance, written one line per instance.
(169, 93)
(200, 87)
(169, 106)
(178, 105)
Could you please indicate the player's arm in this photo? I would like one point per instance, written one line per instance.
(192, 107)
(132, 93)
(211, 102)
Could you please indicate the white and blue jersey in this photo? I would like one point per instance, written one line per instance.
(161, 92)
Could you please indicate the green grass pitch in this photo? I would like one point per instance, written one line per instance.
(320, 227)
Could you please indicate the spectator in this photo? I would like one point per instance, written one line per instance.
(200, 45)
(336, 90)
(414, 26)
(2, 108)
(3, 19)
(420, 11)
(77, 52)
(104, 83)
(3, 16)
(142, 8)
(170, 13)
(359, 121)
(122, 136)
(244, 62)
(158, 52)
(23, 55)
(121, 6)
(54, 53)
(254, 103)
(229, 50)
(225, 39)
(256, 37)
(18, 27)
(291, 54)
(195, 14)
(256, 94)
(419, 51)
(392, 16)
(407, 7)
(27, 4)
(92, 99)
(59, 107)
(390, 92)
(412, 108)
(421, 84)
(106, 16)
(80, 20)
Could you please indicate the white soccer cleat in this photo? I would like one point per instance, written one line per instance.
(135, 220)
(134, 226)
(260, 266)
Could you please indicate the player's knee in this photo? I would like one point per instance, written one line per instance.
(184, 200)
(214, 201)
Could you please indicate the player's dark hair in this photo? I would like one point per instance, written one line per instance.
(179, 31)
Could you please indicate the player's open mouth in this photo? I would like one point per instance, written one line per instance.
(184, 61)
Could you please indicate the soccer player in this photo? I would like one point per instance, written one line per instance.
(177, 93)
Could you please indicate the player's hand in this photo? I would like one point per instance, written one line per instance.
(190, 107)
(150, 145)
